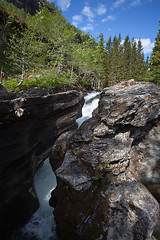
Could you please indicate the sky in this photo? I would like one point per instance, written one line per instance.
(137, 18)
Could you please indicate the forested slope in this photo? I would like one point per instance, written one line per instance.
(45, 50)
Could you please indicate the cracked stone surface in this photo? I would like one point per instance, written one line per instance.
(106, 167)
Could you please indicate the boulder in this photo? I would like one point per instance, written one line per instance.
(99, 194)
(29, 127)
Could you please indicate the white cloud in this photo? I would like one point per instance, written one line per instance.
(109, 18)
(135, 2)
(88, 13)
(64, 4)
(118, 3)
(101, 9)
(147, 45)
(77, 19)
(88, 27)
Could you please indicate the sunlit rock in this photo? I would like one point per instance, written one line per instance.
(99, 194)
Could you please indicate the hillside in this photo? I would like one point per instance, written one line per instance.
(45, 50)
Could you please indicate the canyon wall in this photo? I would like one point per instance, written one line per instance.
(107, 167)
(29, 126)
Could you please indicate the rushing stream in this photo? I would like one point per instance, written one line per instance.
(91, 102)
(42, 225)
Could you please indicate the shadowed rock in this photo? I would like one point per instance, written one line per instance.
(29, 126)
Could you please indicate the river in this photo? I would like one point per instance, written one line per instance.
(42, 226)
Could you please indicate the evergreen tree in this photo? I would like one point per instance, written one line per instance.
(103, 59)
(155, 61)
(126, 59)
(140, 64)
(114, 65)
(108, 51)
(133, 59)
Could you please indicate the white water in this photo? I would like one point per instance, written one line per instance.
(88, 107)
(42, 225)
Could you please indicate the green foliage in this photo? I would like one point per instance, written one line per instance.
(77, 153)
(46, 80)
(155, 61)
(106, 165)
(124, 60)
(101, 170)
(12, 10)
(98, 176)
(11, 84)
(47, 45)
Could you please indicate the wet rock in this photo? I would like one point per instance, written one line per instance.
(29, 127)
(98, 195)
(59, 149)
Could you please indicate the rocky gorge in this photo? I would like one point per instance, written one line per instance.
(108, 180)
(30, 123)
(108, 175)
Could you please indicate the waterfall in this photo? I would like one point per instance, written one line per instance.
(91, 102)
(42, 226)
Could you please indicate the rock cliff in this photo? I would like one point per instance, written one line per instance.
(29, 126)
(30, 6)
(101, 192)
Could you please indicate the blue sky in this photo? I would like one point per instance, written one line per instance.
(136, 18)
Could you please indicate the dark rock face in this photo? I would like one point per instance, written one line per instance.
(98, 195)
(28, 129)
(4, 94)
(30, 6)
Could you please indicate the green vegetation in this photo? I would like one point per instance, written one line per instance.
(47, 51)
(101, 170)
(154, 72)
(107, 165)
(77, 153)
(98, 176)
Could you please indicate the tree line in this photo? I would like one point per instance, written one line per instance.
(122, 60)
(46, 50)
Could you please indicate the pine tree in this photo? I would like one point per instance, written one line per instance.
(140, 64)
(114, 65)
(133, 59)
(126, 59)
(103, 59)
(155, 61)
(108, 51)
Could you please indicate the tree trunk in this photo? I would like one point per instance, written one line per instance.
(1, 75)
